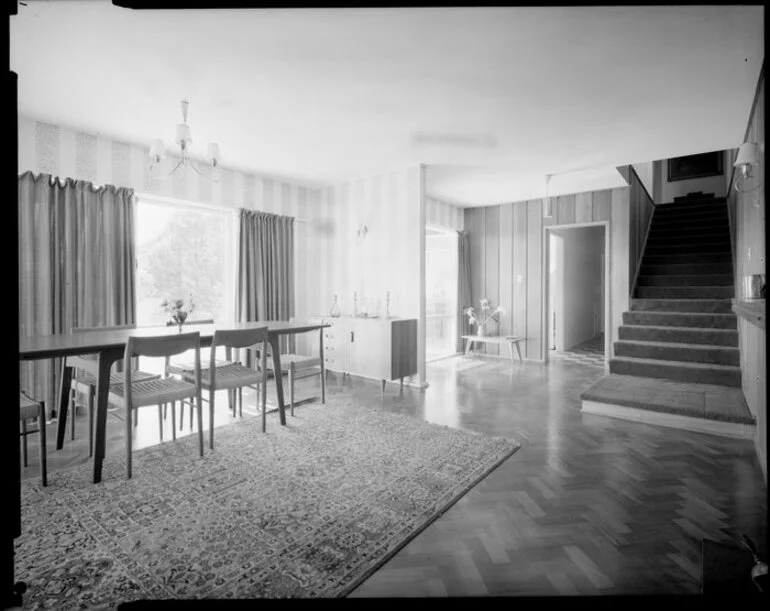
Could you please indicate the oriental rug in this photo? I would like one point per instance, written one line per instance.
(306, 510)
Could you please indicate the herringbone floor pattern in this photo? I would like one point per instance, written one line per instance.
(589, 505)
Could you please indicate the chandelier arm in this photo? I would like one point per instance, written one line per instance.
(170, 172)
(194, 166)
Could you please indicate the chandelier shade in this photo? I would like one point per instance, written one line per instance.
(158, 168)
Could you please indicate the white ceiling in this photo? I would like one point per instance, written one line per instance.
(491, 99)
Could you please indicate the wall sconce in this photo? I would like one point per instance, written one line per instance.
(548, 203)
(748, 157)
(361, 233)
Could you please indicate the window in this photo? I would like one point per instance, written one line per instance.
(184, 250)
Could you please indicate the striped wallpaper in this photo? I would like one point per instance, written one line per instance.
(51, 149)
(507, 258)
(441, 213)
(390, 258)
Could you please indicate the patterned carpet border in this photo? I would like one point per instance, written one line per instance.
(308, 510)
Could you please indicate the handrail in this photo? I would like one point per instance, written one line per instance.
(646, 235)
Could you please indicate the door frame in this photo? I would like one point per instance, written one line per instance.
(446, 231)
(546, 284)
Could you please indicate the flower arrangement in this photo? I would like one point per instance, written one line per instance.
(178, 310)
(485, 314)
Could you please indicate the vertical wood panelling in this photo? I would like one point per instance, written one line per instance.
(566, 209)
(443, 214)
(583, 208)
(601, 205)
(505, 298)
(492, 267)
(507, 257)
(520, 274)
(534, 278)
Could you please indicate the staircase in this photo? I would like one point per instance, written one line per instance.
(677, 361)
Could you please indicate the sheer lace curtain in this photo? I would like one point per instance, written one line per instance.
(265, 276)
(76, 265)
(464, 298)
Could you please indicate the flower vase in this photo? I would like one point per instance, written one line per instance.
(180, 326)
(480, 331)
(335, 311)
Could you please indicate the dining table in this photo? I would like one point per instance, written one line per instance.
(110, 345)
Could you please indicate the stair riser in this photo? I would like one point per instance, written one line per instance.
(680, 336)
(654, 250)
(689, 280)
(694, 204)
(668, 240)
(686, 269)
(697, 306)
(673, 372)
(685, 292)
(678, 259)
(715, 356)
(711, 224)
(677, 319)
(718, 217)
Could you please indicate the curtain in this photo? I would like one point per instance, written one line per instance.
(76, 265)
(464, 298)
(265, 281)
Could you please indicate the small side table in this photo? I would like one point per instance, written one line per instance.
(511, 340)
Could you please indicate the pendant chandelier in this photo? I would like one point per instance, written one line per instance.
(211, 170)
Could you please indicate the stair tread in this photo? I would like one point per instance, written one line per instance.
(687, 329)
(678, 345)
(680, 364)
(708, 401)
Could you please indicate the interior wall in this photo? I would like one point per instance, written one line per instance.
(641, 209)
(581, 285)
(389, 259)
(60, 151)
(747, 213)
(506, 244)
(443, 214)
(665, 191)
(646, 173)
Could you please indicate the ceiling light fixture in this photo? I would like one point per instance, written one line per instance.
(748, 157)
(212, 170)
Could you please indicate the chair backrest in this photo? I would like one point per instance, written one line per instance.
(236, 338)
(163, 345)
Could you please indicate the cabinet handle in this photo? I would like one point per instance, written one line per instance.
(352, 339)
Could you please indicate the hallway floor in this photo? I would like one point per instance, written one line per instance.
(589, 352)
(589, 505)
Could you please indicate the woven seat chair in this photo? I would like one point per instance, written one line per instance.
(30, 409)
(229, 375)
(178, 369)
(298, 367)
(84, 380)
(132, 395)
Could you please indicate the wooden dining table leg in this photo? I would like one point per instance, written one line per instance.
(275, 348)
(65, 379)
(107, 358)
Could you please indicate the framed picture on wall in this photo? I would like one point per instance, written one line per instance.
(695, 166)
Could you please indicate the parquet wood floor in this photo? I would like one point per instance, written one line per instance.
(588, 506)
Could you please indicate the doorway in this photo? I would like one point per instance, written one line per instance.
(440, 293)
(576, 321)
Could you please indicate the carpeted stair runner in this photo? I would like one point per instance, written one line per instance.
(678, 344)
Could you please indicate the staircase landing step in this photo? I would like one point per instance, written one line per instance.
(720, 405)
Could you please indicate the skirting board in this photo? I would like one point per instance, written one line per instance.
(363, 377)
(687, 423)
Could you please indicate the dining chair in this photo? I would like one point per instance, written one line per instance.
(233, 375)
(31, 409)
(84, 380)
(132, 395)
(297, 367)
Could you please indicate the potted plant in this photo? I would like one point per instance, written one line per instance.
(178, 310)
(483, 316)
